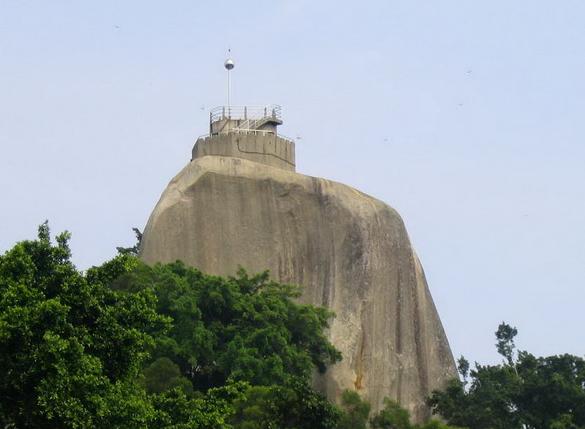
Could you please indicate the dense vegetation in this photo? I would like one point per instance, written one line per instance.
(524, 392)
(126, 345)
(356, 415)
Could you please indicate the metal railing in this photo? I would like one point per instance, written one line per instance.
(271, 111)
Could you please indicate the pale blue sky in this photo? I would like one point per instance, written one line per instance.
(465, 116)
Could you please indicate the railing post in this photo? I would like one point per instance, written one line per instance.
(223, 112)
(245, 112)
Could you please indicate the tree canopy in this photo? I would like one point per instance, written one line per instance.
(71, 347)
(128, 345)
(243, 328)
(524, 392)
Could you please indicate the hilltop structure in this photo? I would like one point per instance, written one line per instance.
(239, 202)
(247, 133)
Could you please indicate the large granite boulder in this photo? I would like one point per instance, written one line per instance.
(348, 250)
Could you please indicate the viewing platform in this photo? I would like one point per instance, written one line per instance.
(248, 132)
(245, 118)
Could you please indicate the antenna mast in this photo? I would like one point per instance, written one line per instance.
(229, 65)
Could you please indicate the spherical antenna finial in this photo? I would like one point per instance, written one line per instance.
(229, 64)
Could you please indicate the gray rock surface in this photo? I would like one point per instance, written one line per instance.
(348, 250)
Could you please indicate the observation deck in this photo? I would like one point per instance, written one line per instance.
(244, 118)
(248, 132)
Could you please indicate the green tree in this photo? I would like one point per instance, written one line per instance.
(134, 249)
(243, 328)
(463, 368)
(355, 411)
(292, 406)
(163, 375)
(129, 345)
(524, 392)
(505, 344)
(71, 348)
(212, 410)
(392, 416)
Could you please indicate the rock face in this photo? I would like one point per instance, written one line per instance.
(350, 251)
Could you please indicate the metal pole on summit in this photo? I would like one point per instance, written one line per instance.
(229, 65)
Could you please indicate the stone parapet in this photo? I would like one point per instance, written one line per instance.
(261, 147)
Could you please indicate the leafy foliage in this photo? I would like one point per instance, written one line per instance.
(393, 416)
(134, 249)
(163, 375)
(71, 347)
(524, 392)
(127, 345)
(247, 329)
(355, 411)
(505, 345)
(294, 406)
(212, 410)
(242, 328)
